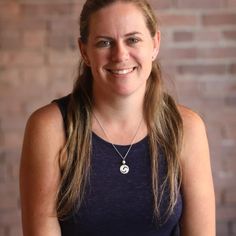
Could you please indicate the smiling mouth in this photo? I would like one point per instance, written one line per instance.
(121, 71)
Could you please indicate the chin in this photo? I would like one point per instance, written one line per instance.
(126, 92)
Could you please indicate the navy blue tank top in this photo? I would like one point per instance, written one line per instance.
(117, 204)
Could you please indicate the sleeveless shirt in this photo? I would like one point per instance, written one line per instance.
(116, 204)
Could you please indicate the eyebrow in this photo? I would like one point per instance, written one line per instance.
(133, 33)
(110, 38)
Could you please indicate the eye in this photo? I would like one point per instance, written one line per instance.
(104, 44)
(133, 40)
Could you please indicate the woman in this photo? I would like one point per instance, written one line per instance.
(117, 156)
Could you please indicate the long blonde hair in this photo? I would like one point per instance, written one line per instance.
(161, 115)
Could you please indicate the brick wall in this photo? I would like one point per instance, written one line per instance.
(38, 60)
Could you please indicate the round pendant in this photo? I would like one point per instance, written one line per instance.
(124, 169)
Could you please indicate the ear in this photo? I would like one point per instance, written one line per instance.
(83, 51)
(156, 44)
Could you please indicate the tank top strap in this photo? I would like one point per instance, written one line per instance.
(63, 103)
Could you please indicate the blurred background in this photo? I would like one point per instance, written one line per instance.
(38, 63)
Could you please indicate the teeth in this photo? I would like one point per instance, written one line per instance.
(121, 72)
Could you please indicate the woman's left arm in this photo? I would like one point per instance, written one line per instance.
(198, 218)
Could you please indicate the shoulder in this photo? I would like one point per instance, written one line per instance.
(46, 117)
(193, 124)
(45, 128)
(191, 120)
(194, 132)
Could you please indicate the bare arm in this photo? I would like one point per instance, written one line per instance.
(40, 172)
(198, 217)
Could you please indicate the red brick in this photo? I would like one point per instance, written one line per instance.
(183, 36)
(214, 131)
(35, 39)
(27, 23)
(36, 102)
(16, 230)
(22, 58)
(35, 77)
(189, 87)
(218, 196)
(66, 25)
(8, 201)
(161, 4)
(232, 68)
(231, 3)
(216, 19)
(13, 162)
(227, 115)
(3, 173)
(47, 9)
(62, 41)
(222, 228)
(12, 165)
(201, 4)
(61, 36)
(10, 77)
(226, 213)
(12, 109)
(178, 53)
(3, 231)
(230, 101)
(62, 58)
(169, 69)
(11, 217)
(6, 94)
(14, 168)
(230, 162)
(202, 69)
(217, 52)
(10, 39)
(177, 20)
(4, 58)
(224, 177)
(10, 9)
(166, 39)
(207, 36)
(188, 91)
(234, 228)
(230, 34)
(63, 79)
(222, 88)
(216, 161)
(9, 188)
(230, 196)
(12, 140)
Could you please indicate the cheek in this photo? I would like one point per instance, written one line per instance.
(145, 54)
(149, 54)
(99, 60)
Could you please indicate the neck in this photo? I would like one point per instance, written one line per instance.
(118, 109)
(120, 117)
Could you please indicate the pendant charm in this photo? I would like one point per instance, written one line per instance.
(124, 169)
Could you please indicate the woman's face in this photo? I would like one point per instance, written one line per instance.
(120, 50)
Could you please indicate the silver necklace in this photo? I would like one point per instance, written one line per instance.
(124, 168)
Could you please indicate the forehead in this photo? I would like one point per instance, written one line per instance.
(118, 18)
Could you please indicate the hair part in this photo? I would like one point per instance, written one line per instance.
(163, 120)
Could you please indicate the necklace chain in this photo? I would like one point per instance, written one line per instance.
(132, 142)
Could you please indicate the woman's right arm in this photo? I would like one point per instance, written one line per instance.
(40, 172)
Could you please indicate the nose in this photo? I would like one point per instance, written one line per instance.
(120, 52)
